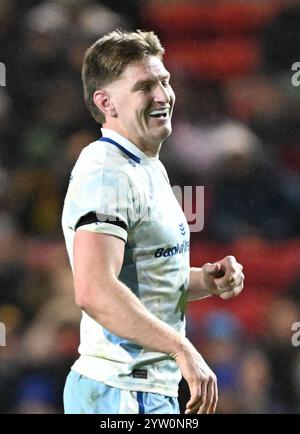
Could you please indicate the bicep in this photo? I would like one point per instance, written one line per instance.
(97, 259)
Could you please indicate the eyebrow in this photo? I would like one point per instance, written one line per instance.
(142, 83)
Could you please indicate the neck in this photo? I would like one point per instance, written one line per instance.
(149, 149)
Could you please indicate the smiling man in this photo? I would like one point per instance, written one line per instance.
(128, 244)
(139, 104)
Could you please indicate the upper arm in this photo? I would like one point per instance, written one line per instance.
(98, 259)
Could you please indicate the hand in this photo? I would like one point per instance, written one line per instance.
(224, 278)
(201, 380)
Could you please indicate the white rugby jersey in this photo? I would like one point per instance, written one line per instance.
(116, 189)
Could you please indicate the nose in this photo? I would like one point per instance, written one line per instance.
(162, 94)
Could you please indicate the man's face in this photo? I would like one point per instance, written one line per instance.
(143, 100)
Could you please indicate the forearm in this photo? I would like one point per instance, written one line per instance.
(196, 289)
(117, 309)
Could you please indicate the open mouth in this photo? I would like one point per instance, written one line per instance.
(159, 113)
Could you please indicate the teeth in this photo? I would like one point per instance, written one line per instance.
(159, 112)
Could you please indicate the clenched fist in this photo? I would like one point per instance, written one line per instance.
(224, 278)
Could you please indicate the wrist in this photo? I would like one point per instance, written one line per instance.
(206, 288)
(181, 347)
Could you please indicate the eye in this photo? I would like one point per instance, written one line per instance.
(147, 87)
(165, 83)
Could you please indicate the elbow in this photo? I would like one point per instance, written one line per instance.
(81, 299)
(93, 294)
(91, 299)
(84, 295)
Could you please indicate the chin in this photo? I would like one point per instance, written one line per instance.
(165, 131)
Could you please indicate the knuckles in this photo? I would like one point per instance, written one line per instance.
(232, 264)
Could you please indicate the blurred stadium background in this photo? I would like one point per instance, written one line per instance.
(236, 131)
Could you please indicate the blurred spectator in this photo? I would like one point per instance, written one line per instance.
(36, 395)
(194, 146)
(282, 40)
(222, 349)
(236, 132)
(294, 290)
(95, 20)
(249, 198)
(283, 356)
(12, 269)
(219, 336)
(255, 384)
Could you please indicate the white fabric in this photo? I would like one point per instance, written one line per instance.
(106, 181)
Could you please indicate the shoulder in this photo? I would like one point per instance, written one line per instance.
(103, 159)
(91, 155)
(102, 166)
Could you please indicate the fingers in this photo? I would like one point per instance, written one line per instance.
(204, 402)
(225, 295)
(193, 409)
(230, 285)
(211, 269)
(201, 380)
(224, 278)
(232, 282)
(215, 398)
(208, 407)
(196, 399)
(232, 271)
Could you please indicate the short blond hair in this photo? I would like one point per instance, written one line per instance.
(107, 58)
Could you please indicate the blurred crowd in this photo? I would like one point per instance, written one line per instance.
(236, 131)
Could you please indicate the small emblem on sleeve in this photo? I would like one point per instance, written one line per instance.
(182, 229)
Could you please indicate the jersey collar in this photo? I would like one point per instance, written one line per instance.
(126, 146)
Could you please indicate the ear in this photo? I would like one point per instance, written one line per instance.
(104, 103)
